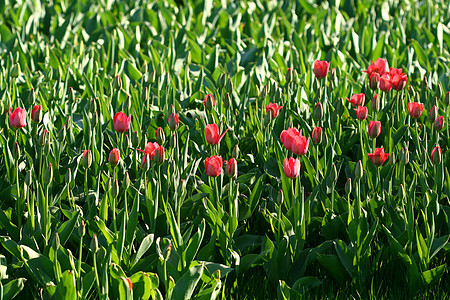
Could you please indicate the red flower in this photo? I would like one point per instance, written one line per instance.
(150, 149)
(439, 123)
(231, 168)
(212, 134)
(121, 122)
(293, 140)
(291, 167)
(36, 113)
(379, 66)
(398, 79)
(114, 157)
(213, 166)
(361, 112)
(317, 135)
(374, 129)
(173, 121)
(436, 157)
(357, 99)
(18, 118)
(321, 68)
(385, 83)
(374, 81)
(375, 105)
(159, 155)
(415, 109)
(209, 101)
(378, 157)
(273, 108)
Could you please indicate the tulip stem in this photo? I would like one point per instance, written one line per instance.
(361, 140)
(379, 179)
(97, 280)
(80, 257)
(316, 154)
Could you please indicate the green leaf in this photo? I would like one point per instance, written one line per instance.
(13, 288)
(185, 286)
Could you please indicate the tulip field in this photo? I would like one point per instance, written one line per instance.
(224, 149)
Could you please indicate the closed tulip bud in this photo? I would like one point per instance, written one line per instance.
(82, 228)
(425, 83)
(280, 197)
(144, 95)
(126, 181)
(333, 173)
(28, 178)
(374, 81)
(15, 71)
(36, 114)
(160, 136)
(160, 155)
(316, 135)
(115, 189)
(114, 157)
(433, 113)
(359, 171)
(87, 159)
(439, 123)
(436, 155)
(291, 167)
(227, 101)
(94, 119)
(173, 141)
(56, 241)
(145, 163)
(374, 129)
(118, 82)
(173, 120)
(48, 175)
(68, 176)
(229, 86)
(32, 96)
(159, 69)
(404, 156)
(348, 186)
(375, 105)
(324, 139)
(401, 192)
(209, 102)
(71, 95)
(94, 244)
(235, 152)
(392, 159)
(135, 139)
(221, 81)
(438, 91)
(231, 168)
(318, 112)
(447, 99)
(289, 75)
(264, 92)
(257, 92)
(361, 113)
(16, 151)
(423, 156)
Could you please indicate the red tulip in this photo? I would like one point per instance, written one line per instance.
(231, 168)
(415, 109)
(317, 135)
(398, 79)
(385, 83)
(18, 118)
(150, 149)
(321, 68)
(378, 157)
(173, 120)
(273, 109)
(212, 134)
(379, 66)
(374, 129)
(160, 137)
(291, 167)
(293, 140)
(436, 157)
(213, 166)
(87, 159)
(36, 113)
(121, 122)
(159, 155)
(357, 100)
(361, 112)
(374, 81)
(209, 102)
(375, 105)
(114, 157)
(439, 123)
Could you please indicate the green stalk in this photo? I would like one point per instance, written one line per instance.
(80, 257)
(316, 155)
(97, 280)
(361, 140)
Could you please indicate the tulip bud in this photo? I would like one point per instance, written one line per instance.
(280, 197)
(115, 189)
(94, 244)
(333, 173)
(447, 99)
(423, 156)
(404, 156)
(438, 91)
(15, 70)
(433, 113)
(392, 159)
(48, 175)
(318, 112)
(436, 155)
(16, 151)
(152, 77)
(374, 129)
(229, 86)
(145, 163)
(264, 92)
(68, 176)
(126, 181)
(160, 136)
(93, 106)
(221, 81)
(144, 95)
(227, 100)
(43, 137)
(348, 186)
(235, 152)
(257, 92)
(374, 81)
(118, 82)
(28, 178)
(439, 123)
(134, 139)
(231, 168)
(87, 159)
(32, 97)
(425, 83)
(359, 171)
(375, 105)
(316, 135)
(173, 119)
(114, 157)
(289, 75)
(401, 192)
(159, 155)
(173, 141)
(94, 119)
(209, 102)
(56, 241)
(159, 69)
(82, 229)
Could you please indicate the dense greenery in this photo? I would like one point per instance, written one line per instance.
(73, 225)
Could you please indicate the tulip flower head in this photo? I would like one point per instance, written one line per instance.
(318, 111)
(439, 123)
(361, 112)
(294, 141)
(321, 68)
(150, 149)
(159, 155)
(398, 79)
(415, 109)
(317, 135)
(36, 113)
(375, 105)
(433, 113)
(18, 117)
(213, 165)
(385, 83)
(374, 81)
(231, 168)
(378, 66)
(436, 157)
(357, 100)
(374, 129)
(212, 134)
(160, 136)
(87, 159)
(378, 157)
(273, 108)
(173, 120)
(121, 122)
(209, 102)
(291, 167)
(114, 157)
